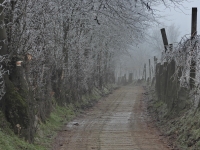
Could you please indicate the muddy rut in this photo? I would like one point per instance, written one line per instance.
(117, 122)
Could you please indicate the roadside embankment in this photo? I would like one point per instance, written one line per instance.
(46, 131)
(180, 126)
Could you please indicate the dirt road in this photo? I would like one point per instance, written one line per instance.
(118, 122)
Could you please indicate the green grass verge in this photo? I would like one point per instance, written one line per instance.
(182, 127)
(45, 134)
(10, 141)
(47, 131)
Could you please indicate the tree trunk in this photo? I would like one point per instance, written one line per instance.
(3, 36)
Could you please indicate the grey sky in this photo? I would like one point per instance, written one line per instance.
(181, 17)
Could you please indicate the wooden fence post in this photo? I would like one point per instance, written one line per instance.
(136, 76)
(194, 22)
(193, 34)
(144, 72)
(124, 79)
(164, 37)
(149, 70)
(155, 63)
(130, 78)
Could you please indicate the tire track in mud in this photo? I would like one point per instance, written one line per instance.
(115, 134)
(96, 124)
(117, 122)
(90, 127)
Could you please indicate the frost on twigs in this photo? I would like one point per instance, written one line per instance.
(184, 53)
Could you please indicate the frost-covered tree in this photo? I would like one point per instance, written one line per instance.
(66, 47)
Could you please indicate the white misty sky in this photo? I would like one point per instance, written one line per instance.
(181, 17)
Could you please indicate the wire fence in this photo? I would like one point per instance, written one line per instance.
(184, 53)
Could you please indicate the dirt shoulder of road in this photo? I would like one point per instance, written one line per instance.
(155, 110)
(181, 130)
(119, 121)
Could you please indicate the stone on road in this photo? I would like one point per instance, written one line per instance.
(117, 122)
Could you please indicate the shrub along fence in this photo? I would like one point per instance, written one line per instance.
(177, 75)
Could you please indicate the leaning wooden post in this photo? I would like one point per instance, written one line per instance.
(164, 37)
(193, 34)
(149, 70)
